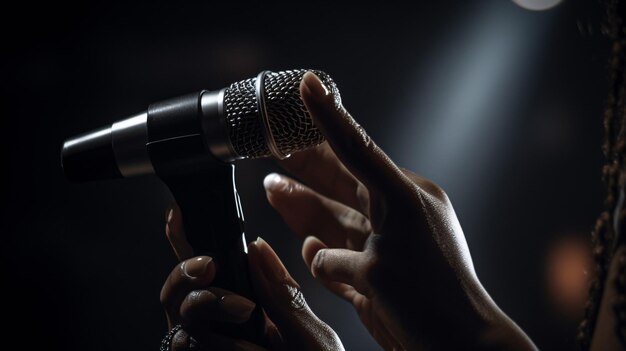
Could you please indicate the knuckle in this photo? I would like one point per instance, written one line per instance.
(436, 190)
(421, 184)
(362, 223)
(296, 299)
(427, 187)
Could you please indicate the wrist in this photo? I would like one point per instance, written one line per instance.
(473, 321)
(505, 334)
(499, 331)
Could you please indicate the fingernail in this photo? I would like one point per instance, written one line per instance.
(197, 267)
(318, 258)
(168, 214)
(273, 268)
(274, 182)
(237, 307)
(312, 82)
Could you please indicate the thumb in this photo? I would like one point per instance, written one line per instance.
(337, 266)
(284, 304)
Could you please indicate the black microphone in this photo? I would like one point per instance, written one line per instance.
(190, 143)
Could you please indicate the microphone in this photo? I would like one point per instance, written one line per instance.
(191, 142)
(252, 118)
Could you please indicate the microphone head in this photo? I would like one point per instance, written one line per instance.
(266, 116)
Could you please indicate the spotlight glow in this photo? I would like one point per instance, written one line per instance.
(537, 5)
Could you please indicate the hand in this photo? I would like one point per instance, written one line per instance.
(384, 239)
(190, 300)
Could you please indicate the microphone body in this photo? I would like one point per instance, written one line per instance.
(190, 142)
(179, 132)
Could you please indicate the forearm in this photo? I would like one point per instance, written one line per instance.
(462, 319)
(505, 335)
(500, 332)
(479, 324)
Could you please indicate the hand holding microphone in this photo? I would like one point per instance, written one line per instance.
(189, 142)
(194, 302)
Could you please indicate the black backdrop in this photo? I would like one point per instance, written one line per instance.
(82, 264)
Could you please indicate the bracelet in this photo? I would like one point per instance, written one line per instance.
(166, 343)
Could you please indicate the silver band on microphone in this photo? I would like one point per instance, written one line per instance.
(128, 140)
(262, 108)
(214, 126)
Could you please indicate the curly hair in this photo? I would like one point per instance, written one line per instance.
(607, 234)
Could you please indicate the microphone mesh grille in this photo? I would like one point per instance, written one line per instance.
(242, 119)
(290, 123)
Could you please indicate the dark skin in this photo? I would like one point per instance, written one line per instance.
(190, 299)
(382, 238)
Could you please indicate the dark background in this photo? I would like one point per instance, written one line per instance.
(500, 105)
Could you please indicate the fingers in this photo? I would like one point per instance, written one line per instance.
(310, 247)
(175, 233)
(320, 169)
(189, 275)
(308, 213)
(361, 156)
(284, 303)
(215, 304)
(341, 278)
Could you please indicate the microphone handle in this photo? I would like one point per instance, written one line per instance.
(213, 222)
(204, 189)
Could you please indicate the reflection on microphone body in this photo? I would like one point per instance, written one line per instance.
(190, 142)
